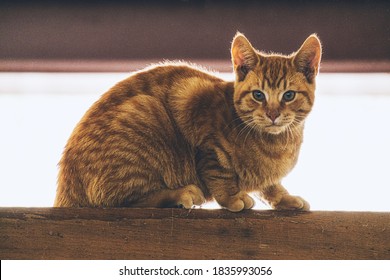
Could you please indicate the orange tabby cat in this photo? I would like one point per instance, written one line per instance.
(174, 135)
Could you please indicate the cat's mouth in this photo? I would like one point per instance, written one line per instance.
(274, 128)
(271, 127)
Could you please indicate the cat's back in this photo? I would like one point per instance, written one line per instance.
(151, 91)
(160, 80)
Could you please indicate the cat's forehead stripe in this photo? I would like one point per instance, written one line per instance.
(274, 72)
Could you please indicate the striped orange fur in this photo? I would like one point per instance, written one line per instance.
(175, 135)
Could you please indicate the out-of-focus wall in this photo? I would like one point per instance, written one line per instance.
(189, 29)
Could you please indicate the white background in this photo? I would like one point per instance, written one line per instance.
(344, 162)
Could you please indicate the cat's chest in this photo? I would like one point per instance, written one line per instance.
(262, 165)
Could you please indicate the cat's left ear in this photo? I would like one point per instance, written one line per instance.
(244, 56)
(307, 58)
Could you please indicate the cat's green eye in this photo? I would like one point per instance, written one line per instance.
(289, 96)
(258, 95)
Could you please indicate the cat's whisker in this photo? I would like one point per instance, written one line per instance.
(244, 120)
(247, 129)
(248, 126)
(233, 121)
(289, 136)
(252, 126)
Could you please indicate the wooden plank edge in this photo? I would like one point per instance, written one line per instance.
(123, 233)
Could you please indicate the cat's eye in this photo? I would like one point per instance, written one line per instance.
(289, 96)
(258, 95)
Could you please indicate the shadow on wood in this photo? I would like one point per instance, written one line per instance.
(65, 233)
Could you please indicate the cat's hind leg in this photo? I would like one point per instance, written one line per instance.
(279, 198)
(186, 197)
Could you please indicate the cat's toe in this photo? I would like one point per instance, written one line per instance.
(191, 195)
(240, 202)
(185, 202)
(289, 202)
(236, 206)
(197, 195)
(305, 206)
(248, 201)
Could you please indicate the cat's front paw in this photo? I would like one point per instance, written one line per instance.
(290, 202)
(189, 196)
(239, 202)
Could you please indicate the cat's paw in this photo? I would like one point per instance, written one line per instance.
(239, 202)
(290, 202)
(189, 196)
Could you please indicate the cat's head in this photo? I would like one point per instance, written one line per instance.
(273, 93)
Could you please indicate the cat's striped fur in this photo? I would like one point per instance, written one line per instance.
(176, 135)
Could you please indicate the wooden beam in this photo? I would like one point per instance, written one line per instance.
(64, 233)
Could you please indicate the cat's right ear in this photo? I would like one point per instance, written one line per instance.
(244, 56)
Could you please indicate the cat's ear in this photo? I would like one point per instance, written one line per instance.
(244, 56)
(307, 58)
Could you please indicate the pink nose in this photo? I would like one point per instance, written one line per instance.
(273, 115)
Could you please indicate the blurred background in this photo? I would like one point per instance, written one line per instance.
(58, 57)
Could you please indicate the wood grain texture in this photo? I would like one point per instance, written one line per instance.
(65, 233)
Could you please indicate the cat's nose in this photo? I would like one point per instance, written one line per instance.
(273, 115)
